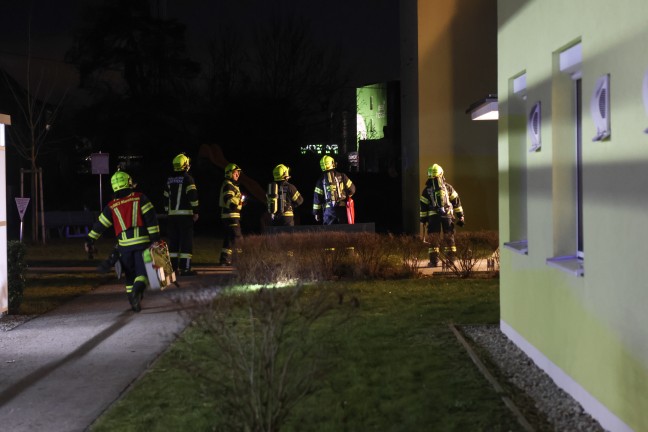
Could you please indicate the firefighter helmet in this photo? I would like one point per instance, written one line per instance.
(181, 162)
(230, 168)
(327, 163)
(121, 180)
(281, 172)
(435, 171)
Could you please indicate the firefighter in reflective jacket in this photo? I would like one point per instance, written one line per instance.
(331, 192)
(440, 204)
(181, 205)
(231, 203)
(282, 197)
(136, 227)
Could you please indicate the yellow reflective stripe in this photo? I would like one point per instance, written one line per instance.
(425, 200)
(186, 255)
(454, 195)
(180, 212)
(194, 203)
(458, 209)
(120, 219)
(230, 215)
(289, 213)
(153, 229)
(129, 289)
(166, 194)
(135, 212)
(319, 191)
(317, 207)
(173, 254)
(105, 221)
(93, 235)
(145, 208)
(422, 214)
(296, 196)
(348, 184)
(142, 279)
(134, 241)
(191, 187)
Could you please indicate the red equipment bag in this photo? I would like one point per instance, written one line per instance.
(350, 210)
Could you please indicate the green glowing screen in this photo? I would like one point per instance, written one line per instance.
(371, 104)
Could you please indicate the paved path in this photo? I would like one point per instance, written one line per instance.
(62, 370)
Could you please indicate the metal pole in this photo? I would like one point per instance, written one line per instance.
(100, 194)
(42, 207)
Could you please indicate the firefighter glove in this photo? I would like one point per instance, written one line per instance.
(460, 222)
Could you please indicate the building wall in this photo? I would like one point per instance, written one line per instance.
(448, 61)
(589, 331)
(4, 286)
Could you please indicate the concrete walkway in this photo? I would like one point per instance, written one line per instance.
(62, 370)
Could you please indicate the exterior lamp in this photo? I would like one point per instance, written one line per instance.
(484, 109)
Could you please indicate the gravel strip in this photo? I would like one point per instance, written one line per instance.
(562, 411)
(9, 322)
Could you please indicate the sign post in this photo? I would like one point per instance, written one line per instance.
(22, 204)
(100, 163)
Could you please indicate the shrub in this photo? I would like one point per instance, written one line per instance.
(471, 247)
(285, 258)
(16, 267)
(305, 257)
(273, 359)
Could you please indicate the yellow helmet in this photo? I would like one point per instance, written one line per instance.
(230, 168)
(181, 162)
(121, 180)
(280, 172)
(327, 163)
(435, 171)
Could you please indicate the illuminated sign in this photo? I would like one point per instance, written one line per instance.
(320, 149)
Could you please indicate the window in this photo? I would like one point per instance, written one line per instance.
(518, 219)
(567, 165)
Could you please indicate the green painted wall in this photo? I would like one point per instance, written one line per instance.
(593, 327)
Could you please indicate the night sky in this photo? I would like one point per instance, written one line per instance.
(366, 31)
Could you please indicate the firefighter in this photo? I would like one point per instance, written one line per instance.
(332, 190)
(230, 202)
(136, 227)
(181, 206)
(282, 197)
(440, 205)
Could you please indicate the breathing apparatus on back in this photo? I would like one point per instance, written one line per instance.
(277, 193)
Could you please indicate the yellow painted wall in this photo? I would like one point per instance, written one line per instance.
(449, 62)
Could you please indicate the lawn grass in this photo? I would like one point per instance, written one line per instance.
(46, 291)
(396, 366)
(62, 250)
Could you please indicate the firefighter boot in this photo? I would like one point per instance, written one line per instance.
(134, 300)
(136, 296)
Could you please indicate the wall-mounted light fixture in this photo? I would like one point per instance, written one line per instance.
(484, 109)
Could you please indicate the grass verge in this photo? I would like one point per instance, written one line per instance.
(394, 365)
(45, 292)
